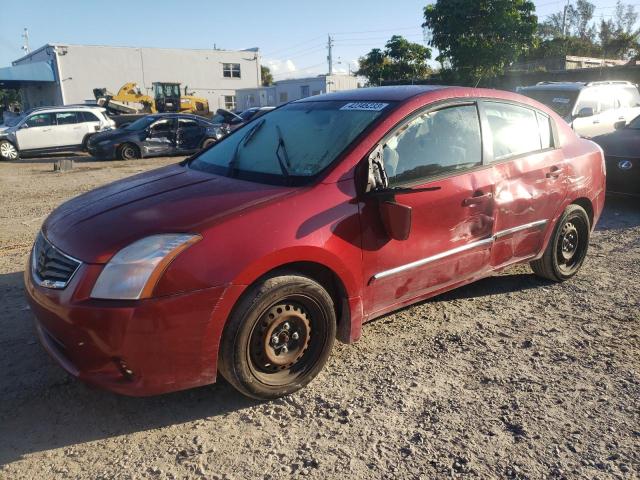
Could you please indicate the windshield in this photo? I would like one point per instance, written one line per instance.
(141, 123)
(294, 142)
(634, 124)
(560, 101)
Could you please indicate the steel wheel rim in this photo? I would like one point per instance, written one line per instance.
(128, 153)
(571, 245)
(269, 363)
(8, 151)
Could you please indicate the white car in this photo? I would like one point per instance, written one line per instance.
(51, 129)
(592, 108)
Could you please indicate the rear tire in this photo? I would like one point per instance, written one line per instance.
(567, 247)
(128, 151)
(8, 151)
(278, 337)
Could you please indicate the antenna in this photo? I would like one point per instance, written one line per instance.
(25, 46)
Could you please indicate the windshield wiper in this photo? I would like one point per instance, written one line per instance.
(233, 164)
(284, 165)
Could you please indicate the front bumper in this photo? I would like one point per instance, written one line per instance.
(103, 152)
(135, 348)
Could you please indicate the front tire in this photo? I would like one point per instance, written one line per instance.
(8, 151)
(567, 247)
(208, 142)
(278, 337)
(128, 151)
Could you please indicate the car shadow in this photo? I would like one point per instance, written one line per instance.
(43, 408)
(53, 157)
(620, 213)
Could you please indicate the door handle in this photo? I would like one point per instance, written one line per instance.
(476, 199)
(555, 172)
(596, 121)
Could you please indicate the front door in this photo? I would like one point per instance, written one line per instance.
(161, 138)
(36, 132)
(190, 135)
(530, 179)
(451, 233)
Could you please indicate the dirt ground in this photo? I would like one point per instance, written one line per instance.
(511, 377)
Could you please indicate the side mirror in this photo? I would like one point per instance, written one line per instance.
(585, 112)
(396, 219)
(620, 125)
(24, 125)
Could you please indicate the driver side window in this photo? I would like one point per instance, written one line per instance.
(433, 144)
(163, 127)
(40, 120)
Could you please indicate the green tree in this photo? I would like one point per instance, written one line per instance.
(267, 76)
(401, 60)
(478, 39)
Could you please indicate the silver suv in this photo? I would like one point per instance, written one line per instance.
(592, 108)
(51, 129)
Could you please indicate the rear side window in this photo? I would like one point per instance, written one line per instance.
(187, 123)
(546, 131)
(628, 97)
(433, 144)
(589, 98)
(88, 117)
(40, 120)
(514, 129)
(66, 118)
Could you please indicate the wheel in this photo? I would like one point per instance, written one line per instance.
(278, 337)
(207, 142)
(567, 247)
(128, 151)
(8, 151)
(85, 140)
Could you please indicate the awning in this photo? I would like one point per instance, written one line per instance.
(35, 72)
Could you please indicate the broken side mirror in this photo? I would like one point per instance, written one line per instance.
(377, 179)
(396, 219)
(620, 125)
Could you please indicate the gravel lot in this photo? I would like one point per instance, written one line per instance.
(511, 377)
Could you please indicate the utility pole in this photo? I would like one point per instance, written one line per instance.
(564, 18)
(25, 45)
(330, 54)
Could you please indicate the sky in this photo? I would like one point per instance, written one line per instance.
(291, 34)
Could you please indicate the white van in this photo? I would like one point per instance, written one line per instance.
(51, 129)
(592, 108)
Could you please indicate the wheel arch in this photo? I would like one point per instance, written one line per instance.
(331, 281)
(585, 203)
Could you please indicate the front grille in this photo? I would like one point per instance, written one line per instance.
(50, 267)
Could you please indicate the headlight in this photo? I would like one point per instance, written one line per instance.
(133, 272)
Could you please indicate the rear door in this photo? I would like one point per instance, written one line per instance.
(161, 138)
(530, 178)
(68, 130)
(190, 135)
(36, 132)
(451, 234)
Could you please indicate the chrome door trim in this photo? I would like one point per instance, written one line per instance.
(519, 228)
(463, 248)
(433, 258)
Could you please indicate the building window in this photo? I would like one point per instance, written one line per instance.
(231, 70)
(304, 91)
(315, 92)
(284, 97)
(230, 102)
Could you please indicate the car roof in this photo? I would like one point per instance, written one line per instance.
(376, 94)
(573, 86)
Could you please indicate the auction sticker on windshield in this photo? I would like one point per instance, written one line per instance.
(366, 106)
(561, 100)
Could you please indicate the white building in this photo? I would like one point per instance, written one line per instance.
(57, 74)
(288, 90)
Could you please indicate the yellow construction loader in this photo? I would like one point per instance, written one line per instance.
(167, 98)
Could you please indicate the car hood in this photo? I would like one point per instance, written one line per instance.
(4, 129)
(175, 199)
(621, 143)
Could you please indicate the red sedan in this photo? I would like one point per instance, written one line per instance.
(252, 256)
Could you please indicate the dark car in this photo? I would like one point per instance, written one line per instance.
(622, 156)
(230, 121)
(155, 135)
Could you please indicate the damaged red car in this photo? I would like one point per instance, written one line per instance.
(252, 256)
